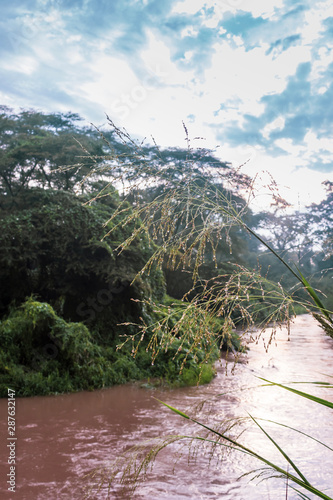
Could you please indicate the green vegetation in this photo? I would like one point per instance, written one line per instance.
(98, 260)
(62, 288)
(85, 266)
(35, 145)
(51, 247)
(43, 354)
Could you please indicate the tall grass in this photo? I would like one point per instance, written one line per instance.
(190, 212)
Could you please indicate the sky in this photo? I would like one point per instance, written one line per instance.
(251, 79)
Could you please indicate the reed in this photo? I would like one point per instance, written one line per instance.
(190, 212)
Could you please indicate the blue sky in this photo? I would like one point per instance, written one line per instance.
(253, 77)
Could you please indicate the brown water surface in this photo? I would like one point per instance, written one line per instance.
(62, 438)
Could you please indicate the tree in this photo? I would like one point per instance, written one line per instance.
(51, 248)
(291, 235)
(66, 336)
(46, 150)
(322, 219)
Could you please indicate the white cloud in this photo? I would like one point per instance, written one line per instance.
(74, 55)
(247, 76)
(187, 6)
(263, 8)
(157, 59)
(277, 124)
(189, 31)
(21, 64)
(151, 93)
(324, 57)
(316, 144)
(312, 149)
(110, 79)
(287, 145)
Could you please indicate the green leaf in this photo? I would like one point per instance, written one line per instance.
(321, 401)
(315, 297)
(174, 409)
(283, 453)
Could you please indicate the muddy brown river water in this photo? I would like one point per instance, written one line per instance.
(62, 438)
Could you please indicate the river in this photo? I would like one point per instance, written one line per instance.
(62, 438)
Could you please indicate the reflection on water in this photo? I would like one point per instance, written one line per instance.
(62, 438)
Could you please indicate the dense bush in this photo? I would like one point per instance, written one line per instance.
(43, 354)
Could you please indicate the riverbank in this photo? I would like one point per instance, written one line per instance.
(43, 354)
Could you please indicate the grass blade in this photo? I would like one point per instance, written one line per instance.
(239, 447)
(174, 409)
(283, 453)
(315, 297)
(320, 401)
(297, 430)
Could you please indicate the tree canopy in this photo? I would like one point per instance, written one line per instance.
(45, 150)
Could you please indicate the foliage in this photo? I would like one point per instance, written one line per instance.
(305, 238)
(191, 209)
(43, 354)
(175, 326)
(51, 247)
(36, 149)
(322, 216)
(181, 212)
(166, 185)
